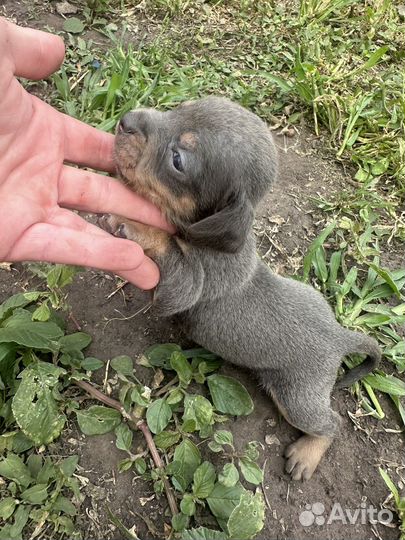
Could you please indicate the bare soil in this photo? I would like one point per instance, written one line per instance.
(286, 223)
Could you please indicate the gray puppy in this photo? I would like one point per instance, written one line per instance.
(206, 165)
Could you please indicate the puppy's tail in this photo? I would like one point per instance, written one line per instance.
(356, 342)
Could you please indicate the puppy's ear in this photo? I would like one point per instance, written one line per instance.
(225, 230)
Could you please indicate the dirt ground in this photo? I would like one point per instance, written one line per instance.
(348, 475)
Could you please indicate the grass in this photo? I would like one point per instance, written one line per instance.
(336, 65)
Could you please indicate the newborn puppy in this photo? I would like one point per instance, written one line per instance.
(206, 165)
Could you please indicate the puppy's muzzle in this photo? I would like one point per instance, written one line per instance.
(134, 123)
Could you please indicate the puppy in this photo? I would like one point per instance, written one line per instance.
(206, 165)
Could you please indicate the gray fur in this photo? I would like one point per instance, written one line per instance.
(229, 301)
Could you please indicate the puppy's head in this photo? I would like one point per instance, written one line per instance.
(205, 164)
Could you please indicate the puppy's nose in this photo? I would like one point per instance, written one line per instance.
(133, 122)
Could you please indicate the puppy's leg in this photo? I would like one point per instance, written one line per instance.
(308, 409)
(181, 272)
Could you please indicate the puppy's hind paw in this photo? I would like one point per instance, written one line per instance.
(304, 455)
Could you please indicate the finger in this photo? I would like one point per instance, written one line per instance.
(35, 54)
(88, 146)
(50, 243)
(91, 192)
(70, 220)
(66, 218)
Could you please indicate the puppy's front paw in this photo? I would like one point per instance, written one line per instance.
(105, 223)
(117, 226)
(304, 455)
(122, 231)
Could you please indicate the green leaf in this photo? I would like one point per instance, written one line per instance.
(124, 437)
(140, 465)
(391, 486)
(215, 447)
(334, 265)
(13, 468)
(181, 366)
(14, 531)
(349, 281)
(319, 264)
(141, 395)
(73, 25)
(123, 364)
(283, 84)
(247, 519)
(202, 533)
(21, 443)
(204, 480)
(386, 383)
(189, 426)
(187, 505)
(199, 409)
(158, 415)
(7, 507)
(372, 320)
(159, 355)
(223, 437)
(166, 439)
(125, 465)
(97, 420)
(175, 396)
(34, 406)
(251, 450)
(179, 522)
(186, 459)
(35, 494)
(68, 465)
(229, 395)
(229, 476)
(42, 313)
(35, 335)
(63, 504)
(17, 301)
(251, 471)
(223, 500)
(61, 275)
(34, 464)
(74, 342)
(91, 364)
(372, 61)
(19, 317)
(47, 472)
(388, 277)
(316, 244)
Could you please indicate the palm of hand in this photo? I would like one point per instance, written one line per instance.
(37, 187)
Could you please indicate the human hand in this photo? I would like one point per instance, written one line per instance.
(37, 187)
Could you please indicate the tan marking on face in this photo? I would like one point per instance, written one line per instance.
(189, 140)
(133, 156)
(304, 455)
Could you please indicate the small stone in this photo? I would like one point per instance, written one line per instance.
(64, 8)
(272, 439)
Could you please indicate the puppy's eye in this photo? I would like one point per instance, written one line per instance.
(177, 161)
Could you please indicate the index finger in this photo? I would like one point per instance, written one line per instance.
(34, 54)
(91, 192)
